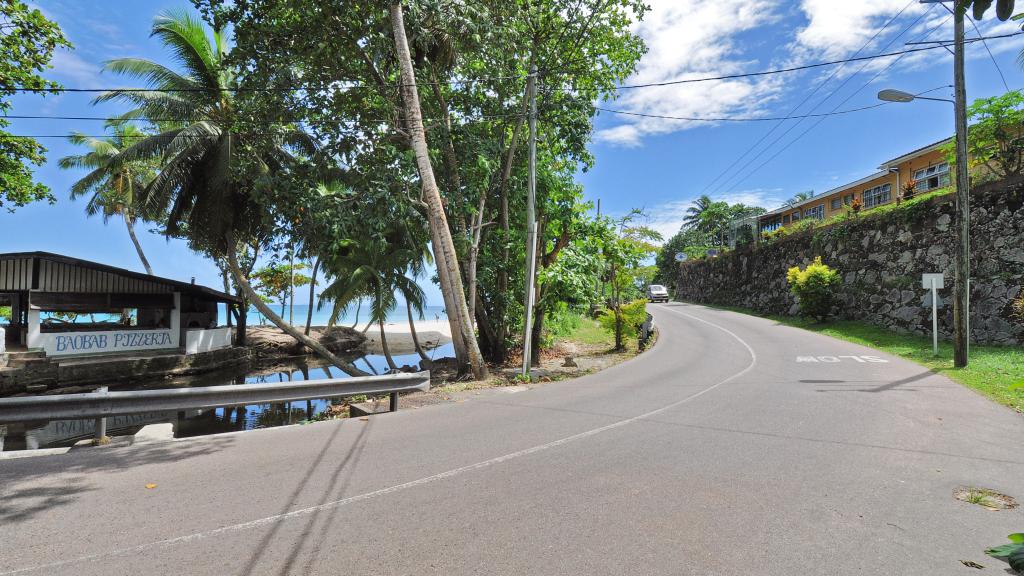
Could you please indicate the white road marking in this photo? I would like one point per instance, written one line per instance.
(835, 359)
(405, 486)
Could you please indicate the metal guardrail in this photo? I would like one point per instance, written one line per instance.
(103, 404)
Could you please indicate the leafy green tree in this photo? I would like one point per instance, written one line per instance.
(626, 245)
(995, 139)
(113, 187)
(214, 180)
(27, 43)
(275, 281)
(687, 241)
(476, 57)
(1004, 8)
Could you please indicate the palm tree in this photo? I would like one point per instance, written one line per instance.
(206, 197)
(112, 188)
(799, 197)
(374, 269)
(694, 213)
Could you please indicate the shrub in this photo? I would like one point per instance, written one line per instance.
(633, 315)
(1018, 308)
(562, 321)
(856, 205)
(814, 288)
(909, 189)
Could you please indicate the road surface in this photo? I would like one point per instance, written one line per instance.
(734, 446)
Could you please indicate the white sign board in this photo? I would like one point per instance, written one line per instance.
(80, 343)
(926, 281)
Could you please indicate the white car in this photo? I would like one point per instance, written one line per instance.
(657, 293)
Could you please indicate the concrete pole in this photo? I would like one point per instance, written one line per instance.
(100, 433)
(935, 319)
(961, 288)
(531, 224)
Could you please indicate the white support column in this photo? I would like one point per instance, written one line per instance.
(176, 321)
(32, 340)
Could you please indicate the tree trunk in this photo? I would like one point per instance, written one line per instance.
(474, 254)
(448, 153)
(538, 327)
(312, 344)
(138, 247)
(359, 307)
(506, 172)
(444, 248)
(384, 346)
(412, 331)
(312, 293)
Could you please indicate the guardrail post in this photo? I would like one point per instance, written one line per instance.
(393, 404)
(100, 434)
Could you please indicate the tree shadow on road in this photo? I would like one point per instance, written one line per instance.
(886, 387)
(35, 485)
(345, 463)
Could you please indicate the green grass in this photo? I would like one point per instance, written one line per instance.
(995, 371)
(590, 332)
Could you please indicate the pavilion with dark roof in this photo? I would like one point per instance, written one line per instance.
(149, 313)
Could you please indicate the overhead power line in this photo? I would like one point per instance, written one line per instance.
(738, 174)
(806, 66)
(475, 80)
(766, 135)
(742, 119)
(820, 120)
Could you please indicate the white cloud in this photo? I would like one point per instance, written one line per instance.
(68, 66)
(835, 29)
(691, 38)
(688, 39)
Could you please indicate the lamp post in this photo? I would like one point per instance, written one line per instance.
(962, 274)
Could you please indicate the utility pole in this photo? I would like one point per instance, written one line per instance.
(291, 287)
(962, 276)
(531, 223)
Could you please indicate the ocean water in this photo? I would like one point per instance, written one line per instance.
(320, 317)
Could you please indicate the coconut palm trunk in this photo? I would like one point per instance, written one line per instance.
(467, 349)
(135, 241)
(359, 307)
(412, 330)
(384, 346)
(312, 294)
(311, 343)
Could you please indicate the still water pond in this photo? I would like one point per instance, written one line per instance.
(190, 423)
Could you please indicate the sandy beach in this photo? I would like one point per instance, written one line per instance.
(431, 334)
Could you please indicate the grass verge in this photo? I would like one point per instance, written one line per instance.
(995, 371)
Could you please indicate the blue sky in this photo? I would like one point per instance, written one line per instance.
(657, 165)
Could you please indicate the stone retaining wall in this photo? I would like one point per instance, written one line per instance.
(881, 258)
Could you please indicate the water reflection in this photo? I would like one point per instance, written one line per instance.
(189, 423)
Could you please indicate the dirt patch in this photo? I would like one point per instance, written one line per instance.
(984, 497)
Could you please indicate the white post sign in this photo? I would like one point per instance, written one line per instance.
(934, 282)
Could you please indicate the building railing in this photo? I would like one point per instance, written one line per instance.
(103, 404)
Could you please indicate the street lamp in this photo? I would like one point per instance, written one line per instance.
(890, 95)
(961, 289)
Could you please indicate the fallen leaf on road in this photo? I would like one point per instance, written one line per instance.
(150, 486)
(365, 418)
(970, 564)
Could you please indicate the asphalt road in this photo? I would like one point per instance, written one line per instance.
(723, 450)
